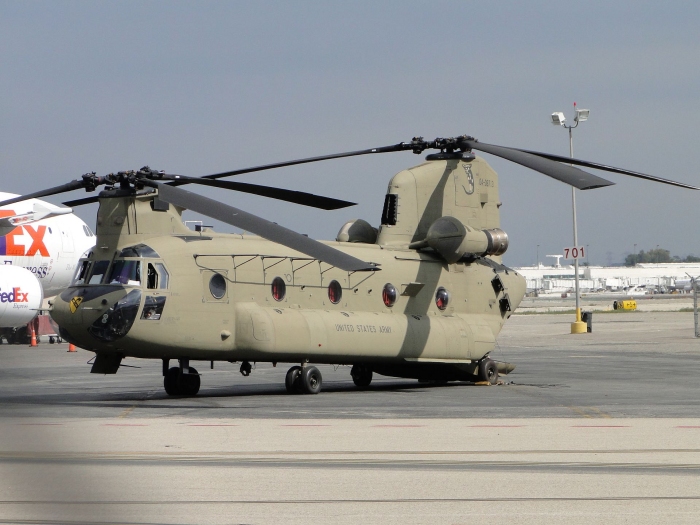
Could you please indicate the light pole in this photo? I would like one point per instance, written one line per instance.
(558, 119)
(538, 255)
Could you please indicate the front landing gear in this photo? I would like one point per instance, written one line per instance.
(181, 380)
(361, 375)
(303, 380)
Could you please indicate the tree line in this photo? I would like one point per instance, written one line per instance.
(657, 255)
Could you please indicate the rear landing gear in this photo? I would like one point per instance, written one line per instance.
(311, 380)
(291, 381)
(306, 380)
(488, 371)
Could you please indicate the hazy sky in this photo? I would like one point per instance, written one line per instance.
(203, 87)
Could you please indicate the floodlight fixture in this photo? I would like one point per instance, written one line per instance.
(558, 118)
(582, 114)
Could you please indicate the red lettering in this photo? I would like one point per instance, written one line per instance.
(37, 241)
(10, 247)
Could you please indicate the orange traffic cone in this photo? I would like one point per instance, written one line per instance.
(33, 341)
(71, 347)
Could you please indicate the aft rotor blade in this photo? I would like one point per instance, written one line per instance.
(567, 174)
(297, 197)
(259, 226)
(72, 185)
(595, 165)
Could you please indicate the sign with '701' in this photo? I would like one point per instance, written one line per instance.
(575, 252)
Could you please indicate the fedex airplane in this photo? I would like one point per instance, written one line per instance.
(40, 245)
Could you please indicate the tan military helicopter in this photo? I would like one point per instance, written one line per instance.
(422, 296)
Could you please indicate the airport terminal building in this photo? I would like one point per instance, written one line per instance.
(641, 279)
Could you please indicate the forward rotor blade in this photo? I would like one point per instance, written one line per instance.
(80, 202)
(72, 185)
(567, 174)
(261, 227)
(297, 197)
(402, 146)
(595, 165)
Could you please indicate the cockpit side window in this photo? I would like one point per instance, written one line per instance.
(164, 277)
(152, 278)
(157, 276)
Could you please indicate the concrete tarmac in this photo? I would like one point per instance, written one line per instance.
(591, 428)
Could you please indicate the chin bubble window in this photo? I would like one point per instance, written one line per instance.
(335, 292)
(217, 286)
(279, 289)
(389, 295)
(442, 297)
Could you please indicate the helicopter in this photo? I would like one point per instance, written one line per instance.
(424, 295)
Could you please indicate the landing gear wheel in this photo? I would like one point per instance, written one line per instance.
(488, 371)
(311, 380)
(361, 375)
(178, 384)
(292, 380)
(189, 383)
(170, 381)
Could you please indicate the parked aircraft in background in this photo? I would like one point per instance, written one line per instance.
(40, 245)
(683, 285)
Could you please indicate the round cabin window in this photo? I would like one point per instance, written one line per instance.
(389, 295)
(442, 297)
(279, 288)
(217, 286)
(335, 292)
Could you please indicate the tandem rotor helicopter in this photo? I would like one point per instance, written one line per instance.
(422, 296)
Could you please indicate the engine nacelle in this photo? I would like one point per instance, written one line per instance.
(453, 240)
(357, 230)
(20, 296)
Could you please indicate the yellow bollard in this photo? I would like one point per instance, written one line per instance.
(578, 326)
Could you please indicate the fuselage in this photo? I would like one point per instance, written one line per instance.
(211, 296)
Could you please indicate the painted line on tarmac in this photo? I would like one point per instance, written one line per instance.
(126, 411)
(212, 425)
(303, 425)
(124, 425)
(341, 501)
(601, 426)
(398, 426)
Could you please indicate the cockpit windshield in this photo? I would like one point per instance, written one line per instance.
(125, 272)
(98, 272)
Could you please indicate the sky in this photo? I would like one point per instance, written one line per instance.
(202, 87)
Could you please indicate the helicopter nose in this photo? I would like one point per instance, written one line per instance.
(90, 313)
